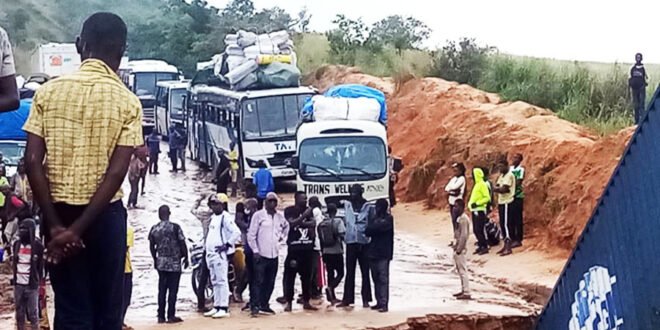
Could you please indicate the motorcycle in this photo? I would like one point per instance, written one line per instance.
(197, 255)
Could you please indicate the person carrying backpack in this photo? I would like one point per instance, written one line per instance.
(638, 82)
(331, 233)
(478, 203)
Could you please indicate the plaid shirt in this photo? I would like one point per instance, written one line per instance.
(83, 117)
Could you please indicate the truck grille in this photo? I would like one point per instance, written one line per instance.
(279, 159)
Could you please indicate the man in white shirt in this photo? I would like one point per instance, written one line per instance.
(222, 236)
(455, 190)
(8, 91)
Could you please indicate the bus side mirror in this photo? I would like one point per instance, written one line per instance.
(397, 165)
(293, 162)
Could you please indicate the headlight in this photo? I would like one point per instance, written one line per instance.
(252, 163)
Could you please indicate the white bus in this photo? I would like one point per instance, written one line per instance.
(170, 97)
(336, 154)
(141, 77)
(262, 123)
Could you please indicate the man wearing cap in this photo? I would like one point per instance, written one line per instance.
(220, 242)
(268, 228)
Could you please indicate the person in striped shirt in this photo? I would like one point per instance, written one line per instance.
(28, 262)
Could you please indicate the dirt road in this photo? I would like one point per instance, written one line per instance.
(422, 275)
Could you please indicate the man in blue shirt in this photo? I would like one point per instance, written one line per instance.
(263, 179)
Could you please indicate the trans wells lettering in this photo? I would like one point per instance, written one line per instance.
(317, 189)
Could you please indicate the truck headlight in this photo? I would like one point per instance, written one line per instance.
(252, 163)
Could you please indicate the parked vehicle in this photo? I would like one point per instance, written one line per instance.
(12, 136)
(170, 96)
(262, 124)
(55, 59)
(141, 77)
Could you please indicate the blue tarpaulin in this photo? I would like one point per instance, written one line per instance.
(352, 91)
(11, 123)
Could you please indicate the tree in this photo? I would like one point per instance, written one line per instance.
(349, 36)
(400, 32)
(463, 61)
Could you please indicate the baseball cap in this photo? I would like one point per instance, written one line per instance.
(271, 196)
(222, 198)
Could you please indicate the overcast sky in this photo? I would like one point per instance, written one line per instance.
(589, 30)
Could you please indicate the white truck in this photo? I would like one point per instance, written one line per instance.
(54, 59)
(333, 155)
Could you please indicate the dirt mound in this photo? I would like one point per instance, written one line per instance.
(465, 322)
(433, 122)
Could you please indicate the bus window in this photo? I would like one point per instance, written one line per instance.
(251, 120)
(161, 97)
(291, 113)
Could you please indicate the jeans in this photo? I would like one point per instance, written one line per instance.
(128, 292)
(89, 286)
(380, 271)
(334, 264)
(316, 281)
(356, 253)
(265, 273)
(153, 163)
(219, 271)
(181, 155)
(173, 158)
(506, 223)
(135, 189)
(639, 102)
(298, 263)
(168, 285)
(26, 300)
(517, 219)
(479, 220)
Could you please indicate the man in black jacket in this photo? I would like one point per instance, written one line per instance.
(380, 229)
(28, 261)
(638, 82)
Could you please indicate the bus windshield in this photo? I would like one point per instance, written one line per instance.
(343, 158)
(12, 152)
(177, 100)
(145, 82)
(272, 116)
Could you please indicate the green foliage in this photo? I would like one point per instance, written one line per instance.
(399, 32)
(463, 61)
(347, 39)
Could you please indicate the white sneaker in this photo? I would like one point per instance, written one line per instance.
(211, 312)
(220, 314)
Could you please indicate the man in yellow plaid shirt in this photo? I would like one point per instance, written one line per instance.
(82, 131)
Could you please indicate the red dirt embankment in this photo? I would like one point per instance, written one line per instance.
(433, 122)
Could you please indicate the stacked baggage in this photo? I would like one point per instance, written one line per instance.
(252, 61)
(347, 102)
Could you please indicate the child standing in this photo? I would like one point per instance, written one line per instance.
(28, 266)
(460, 249)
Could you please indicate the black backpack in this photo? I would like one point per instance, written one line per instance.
(492, 233)
(327, 233)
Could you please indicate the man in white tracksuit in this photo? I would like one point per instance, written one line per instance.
(223, 234)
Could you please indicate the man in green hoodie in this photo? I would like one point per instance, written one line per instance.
(479, 199)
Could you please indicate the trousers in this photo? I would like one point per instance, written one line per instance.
(639, 102)
(356, 253)
(89, 286)
(380, 271)
(128, 293)
(461, 267)
(27, 304)
(153, 163)
(334, 265)
(219, 272)
(298, 263)
(517, 219)
(265, 274)
(135, 189)
(506, 223)
(168, 286)
(479, 220)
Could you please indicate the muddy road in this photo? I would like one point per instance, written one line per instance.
(422, 280)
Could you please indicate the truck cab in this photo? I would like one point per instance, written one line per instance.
(141, 77)
(333, 155)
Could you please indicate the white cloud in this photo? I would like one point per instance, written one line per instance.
(607, 30)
